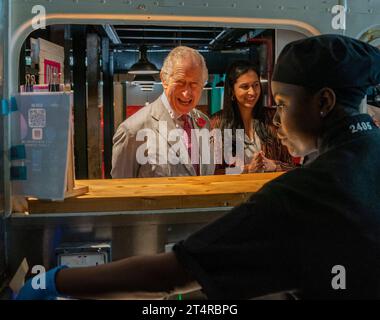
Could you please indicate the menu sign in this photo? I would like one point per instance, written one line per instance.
(45, 131)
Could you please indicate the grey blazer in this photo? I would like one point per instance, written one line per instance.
(126, 146)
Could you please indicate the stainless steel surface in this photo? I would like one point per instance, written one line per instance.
(3, 181)
(2, 118)
(6, 93)
(131, 233)
(2, 254)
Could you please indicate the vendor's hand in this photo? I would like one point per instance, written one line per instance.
(27, 292)
(260, 163)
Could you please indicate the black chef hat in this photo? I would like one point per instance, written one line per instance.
(333, 61)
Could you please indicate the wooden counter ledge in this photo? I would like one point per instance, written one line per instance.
(158, 194)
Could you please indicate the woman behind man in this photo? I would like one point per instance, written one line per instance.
(244, 109)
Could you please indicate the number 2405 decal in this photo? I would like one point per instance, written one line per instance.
(360, 126)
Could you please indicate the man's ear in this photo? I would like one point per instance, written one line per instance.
(327, 101)
(164, 83)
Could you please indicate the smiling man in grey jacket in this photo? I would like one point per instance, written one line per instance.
(144, 144)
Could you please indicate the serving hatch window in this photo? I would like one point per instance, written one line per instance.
(113, 72)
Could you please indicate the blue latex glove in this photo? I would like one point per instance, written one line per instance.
(27, 292)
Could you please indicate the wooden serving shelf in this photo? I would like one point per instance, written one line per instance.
(157, 194)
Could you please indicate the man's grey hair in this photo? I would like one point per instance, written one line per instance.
(178, 54)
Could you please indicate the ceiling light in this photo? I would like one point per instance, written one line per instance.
(143, 66)
(143, 78)
(146, 89)
(147, 86)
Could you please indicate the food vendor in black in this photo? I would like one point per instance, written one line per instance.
(315, 229)
(302, 226)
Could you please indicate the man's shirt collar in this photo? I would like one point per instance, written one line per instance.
(169, 108)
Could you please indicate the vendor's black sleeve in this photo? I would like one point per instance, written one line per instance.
(244, 254)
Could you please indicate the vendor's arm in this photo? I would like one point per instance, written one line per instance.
(143, 277)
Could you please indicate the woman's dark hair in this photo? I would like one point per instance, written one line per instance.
(230, 117)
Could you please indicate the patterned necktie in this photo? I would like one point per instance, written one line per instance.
(187, 127)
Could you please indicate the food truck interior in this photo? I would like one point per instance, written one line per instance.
(97, 65)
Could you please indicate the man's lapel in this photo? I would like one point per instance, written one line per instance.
(160, 113)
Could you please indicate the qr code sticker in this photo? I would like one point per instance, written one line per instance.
(37, 118)
(37, 134)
